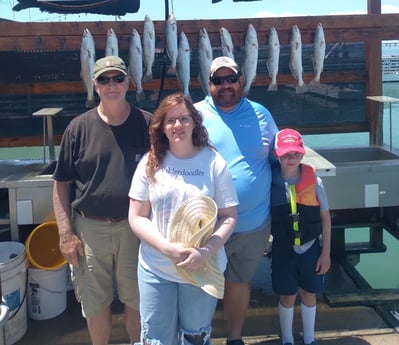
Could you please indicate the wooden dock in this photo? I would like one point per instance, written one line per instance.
(348, 324)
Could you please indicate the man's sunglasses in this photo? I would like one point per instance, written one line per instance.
(103, 80)
(231, 79)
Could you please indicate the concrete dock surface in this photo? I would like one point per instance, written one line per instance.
(347, 325)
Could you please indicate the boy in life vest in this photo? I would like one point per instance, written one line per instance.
(301, 228)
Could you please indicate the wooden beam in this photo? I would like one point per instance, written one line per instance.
(369, 297)
(170, 83)
(374, 112)
(26, 141)
(67, 36)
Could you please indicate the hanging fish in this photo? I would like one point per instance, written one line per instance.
(87, 60)
(183, 64)
(226, 43)
(111, 46)
(250, 58)
(273, 54)
(296, 59)
(171, 42)
(136, 64)
(319, 52)
(205, 57)
(148, 48)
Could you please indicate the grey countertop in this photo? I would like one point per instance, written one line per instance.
(24, 173)
(323, 166)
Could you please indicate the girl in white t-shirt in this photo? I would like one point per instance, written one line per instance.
(180, 166)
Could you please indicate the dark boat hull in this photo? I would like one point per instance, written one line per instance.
(111, 7)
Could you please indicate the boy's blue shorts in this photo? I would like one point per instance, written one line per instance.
(291, 270)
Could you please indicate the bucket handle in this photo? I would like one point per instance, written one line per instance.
(48, 290)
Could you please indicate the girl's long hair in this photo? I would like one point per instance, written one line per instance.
(159, 144)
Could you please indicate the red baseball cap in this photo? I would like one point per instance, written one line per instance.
(288, 140)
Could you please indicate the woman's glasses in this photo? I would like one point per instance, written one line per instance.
(231, 79)
(103, 80)
(183, 120)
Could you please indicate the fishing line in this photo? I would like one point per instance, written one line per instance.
(164, 56)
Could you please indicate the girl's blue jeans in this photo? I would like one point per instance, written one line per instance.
(173, 313)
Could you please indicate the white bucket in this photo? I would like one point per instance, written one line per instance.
(13, 265)
(47, 292)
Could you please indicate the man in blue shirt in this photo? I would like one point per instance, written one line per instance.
(242, 131)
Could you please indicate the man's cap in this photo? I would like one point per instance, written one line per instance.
(109, 63)
(288, 140)
(223, 61)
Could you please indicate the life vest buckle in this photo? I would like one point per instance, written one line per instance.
(295, 217)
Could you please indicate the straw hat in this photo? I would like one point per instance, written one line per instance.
(193, 225)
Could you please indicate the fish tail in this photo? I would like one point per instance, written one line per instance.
(147, 77)
(172, 70)
(140, 95)
(272, 87)
(245, 89)
(90, 103)
(315, 81)
(188, 96)
(301, 88)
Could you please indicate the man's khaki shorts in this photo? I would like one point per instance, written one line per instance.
(110, 259)
(244, 251)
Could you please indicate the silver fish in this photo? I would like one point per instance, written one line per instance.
(273, 54)
(205, 57)
(183, 64)
(171, 42)
(226, 42)
(87, 60)
(319, 52)
(296, 58)
(136, 64)
(250, 58)
(111, 46)
(148, 47)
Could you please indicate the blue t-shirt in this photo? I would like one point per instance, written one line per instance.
(243, 137)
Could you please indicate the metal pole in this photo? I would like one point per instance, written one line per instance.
(164, 58)
(50, 137)
(166, 9)
(390, 125)
(44, 139)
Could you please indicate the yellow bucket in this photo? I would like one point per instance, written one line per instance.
(42, 247)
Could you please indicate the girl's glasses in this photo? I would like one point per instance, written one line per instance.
(183, 120)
